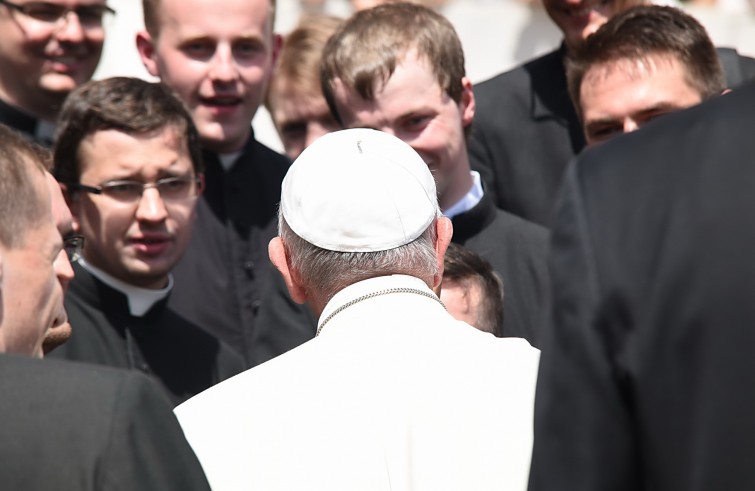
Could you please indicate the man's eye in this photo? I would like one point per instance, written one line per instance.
(604, 133)
(199, 49)
(416, 122)
(173, 183)
(43, 11)
(122, 188)
(294, 130)
(91, 15)
(248, 49)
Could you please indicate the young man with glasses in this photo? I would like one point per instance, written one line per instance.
(129, 160)
(49, 48)
(66, 425)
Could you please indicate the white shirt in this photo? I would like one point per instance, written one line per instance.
(140, 300)
(394, 394)
(470, 200)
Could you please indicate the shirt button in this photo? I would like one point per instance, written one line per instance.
(249, 268)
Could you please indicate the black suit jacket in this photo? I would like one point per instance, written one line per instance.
(183, 357)
(221, 277)
(72, 427)
(526, 131)
(647, 376)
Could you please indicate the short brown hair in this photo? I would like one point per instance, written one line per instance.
(365, 51)
(130, 105)
(463, 266)
(151, 11)
(298, 66)
(20, 208)
(644, 31)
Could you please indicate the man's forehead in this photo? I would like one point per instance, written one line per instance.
(70, 3)
(60, 212)
(632, 68)
(197, 17)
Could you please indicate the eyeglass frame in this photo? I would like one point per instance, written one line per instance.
(73, 244)
(102, 189)
(24, 9)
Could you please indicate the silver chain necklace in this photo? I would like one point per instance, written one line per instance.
(373, 295)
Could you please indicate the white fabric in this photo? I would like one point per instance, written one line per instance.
(470, 200)
(394, 394)
(140, 300)
(228, 160)
(359, 190)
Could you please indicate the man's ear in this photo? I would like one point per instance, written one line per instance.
(146, 47)
(277, 46)
(278, 257)
(444, 231)
(467, 102)
(2, 310)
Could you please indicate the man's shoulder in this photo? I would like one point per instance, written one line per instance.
(515, 224)
(738, 69)
(518, 79)
(262, 153)
(17, 119)
(62, 383)
(514, 230)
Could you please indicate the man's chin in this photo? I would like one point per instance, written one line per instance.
(56, 336)
(60, 84)
(224, 137)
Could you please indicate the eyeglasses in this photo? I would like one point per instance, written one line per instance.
(73, 244)
(90, 16)
(170, 189)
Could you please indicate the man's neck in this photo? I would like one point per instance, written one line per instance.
(226, 147)
(457, 186)
(42, 105)
(140, 299)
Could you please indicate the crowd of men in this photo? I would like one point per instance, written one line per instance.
(439, 286)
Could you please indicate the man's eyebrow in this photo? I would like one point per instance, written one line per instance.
(661, 106)
(364, 127)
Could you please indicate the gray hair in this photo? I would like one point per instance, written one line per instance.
(324, 272)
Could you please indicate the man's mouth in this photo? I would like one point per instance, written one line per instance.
(222, 101)
(151, 245)
(585, 11)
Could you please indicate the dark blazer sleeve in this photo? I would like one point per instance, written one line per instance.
(282, 324)
(738, 69)
(146, 448)
(583, 435)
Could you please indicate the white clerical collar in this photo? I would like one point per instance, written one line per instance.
(227, 160)
(140, 300)
(469, 201)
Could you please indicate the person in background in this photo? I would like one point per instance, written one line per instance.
(526, 129)
(399, 68)
(49, 48)
(218, 55)
(647, 371)
(392, 385)
(471, 291)
(641, 64)
(294, 96)
(67, 425)
(128, 156)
